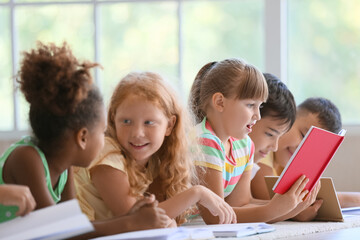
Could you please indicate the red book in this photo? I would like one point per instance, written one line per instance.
(310, 158)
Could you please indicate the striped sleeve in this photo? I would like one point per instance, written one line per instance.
(213, 155)
(251, 149)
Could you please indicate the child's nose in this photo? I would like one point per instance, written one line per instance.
(257, 115)
(138, 131)
(275, 145)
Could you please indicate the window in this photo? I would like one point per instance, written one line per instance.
(174, 38)
(215, 30)
(177, 37)
(6, 96)
(324, 50)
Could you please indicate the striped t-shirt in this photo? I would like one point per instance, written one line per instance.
(241, 155)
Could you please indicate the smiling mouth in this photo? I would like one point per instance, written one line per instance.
(139, 146)
(263, 154)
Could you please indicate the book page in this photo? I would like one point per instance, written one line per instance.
(64, 217)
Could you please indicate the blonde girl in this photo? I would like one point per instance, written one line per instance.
(146, 150)
(225, 99)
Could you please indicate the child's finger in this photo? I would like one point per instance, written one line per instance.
(142, 202)
(232, 215)
(149, 198)
(302, 185)
(30, 205)
(317, 204)
(296, 184)
(228, 215)
(221, 216)
(303, 194)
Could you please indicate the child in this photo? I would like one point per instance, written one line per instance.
(67, 117)
(277, 117)
(16, 195)
(146, 150)
(225, 99)
(318, 112)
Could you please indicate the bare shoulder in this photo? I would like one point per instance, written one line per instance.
(22, 159)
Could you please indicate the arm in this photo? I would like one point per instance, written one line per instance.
(145, 214)
(349, 199)
(214, 205)
(280, 205)
(11, 194)
(24, 167)
(69, 191)
(258, 185)
(115, 195)
(117, 198)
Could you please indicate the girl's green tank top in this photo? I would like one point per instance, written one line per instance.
(29, 141)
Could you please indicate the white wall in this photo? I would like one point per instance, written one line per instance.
(345, 166)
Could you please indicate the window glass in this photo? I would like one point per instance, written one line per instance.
(54, 23)
(6, 80)
(215, 30)
(324, 50)
(137, 37)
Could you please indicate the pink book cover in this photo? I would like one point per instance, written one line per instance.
(311, 158)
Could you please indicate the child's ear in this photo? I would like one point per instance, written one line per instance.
(218, 100)
(82, 137)
(171, 124)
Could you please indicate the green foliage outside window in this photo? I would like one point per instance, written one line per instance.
(324, 53)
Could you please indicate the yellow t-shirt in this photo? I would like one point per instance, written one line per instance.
(89, 199)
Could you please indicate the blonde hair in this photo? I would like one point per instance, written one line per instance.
(172, 163)
(231, 77)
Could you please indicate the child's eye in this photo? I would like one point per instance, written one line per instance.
(149, 122)
(126, 121)
(250, 105)
(268, 134)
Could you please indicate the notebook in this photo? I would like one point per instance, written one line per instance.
(179, 233)
(330, 209)
(60, 221)
(237, 230)
(7, 212)
(195, 232)
(311, 158)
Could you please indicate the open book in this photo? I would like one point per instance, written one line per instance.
(196, 232)
(236, 230)
(56, 222)
(310, 158)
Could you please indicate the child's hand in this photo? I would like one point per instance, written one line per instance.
(307, 210)
(309, 213)
(172, 224)
(148, 214)
(17, 195)
(311, 197)
(217, 206)
(286, 202)
(148, 199)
